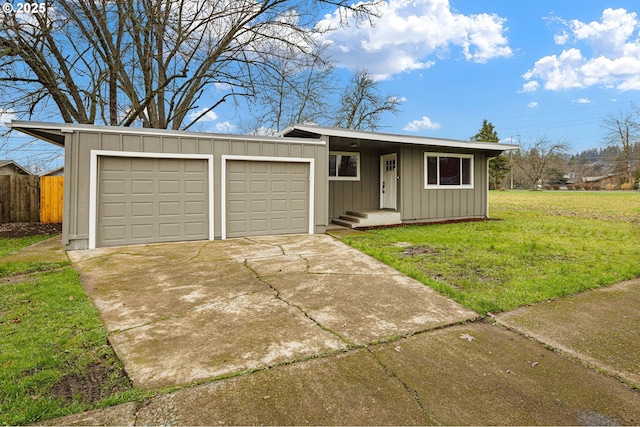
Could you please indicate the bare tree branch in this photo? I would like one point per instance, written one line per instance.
(153, 61)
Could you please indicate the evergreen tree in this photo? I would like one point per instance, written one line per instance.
(498, 167)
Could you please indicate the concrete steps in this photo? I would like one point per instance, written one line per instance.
(357, 219)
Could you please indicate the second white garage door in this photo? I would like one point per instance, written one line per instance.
(264, 197)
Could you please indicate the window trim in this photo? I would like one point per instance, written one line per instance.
(461, 156)
(345, 178)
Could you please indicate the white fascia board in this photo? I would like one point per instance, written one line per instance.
(401, 139)
(74, 127)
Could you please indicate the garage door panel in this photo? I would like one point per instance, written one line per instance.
(141, 231)
(169, 186)
(194, 229)
(236, 187)
(299, 187)
(236, 227)
(169, 208)
(279, 205)
(237, 207)
(115, 232)
(144, 200)
(169, 166)
(195, 208)
(259, 206)
(258, 226)
(194, 187)
(115, 210)
(136, 165)
(113, 186)
(270, 207)
(169, 230)
(258, 186)
(141, 209)
(298, 206)
(258, 167)
(279, 225)
(141, 186)
(111, 164)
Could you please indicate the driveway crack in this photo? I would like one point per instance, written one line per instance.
(411, 391)
(277, 294)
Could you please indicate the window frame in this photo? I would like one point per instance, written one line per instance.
(460, 156)
(344, 178)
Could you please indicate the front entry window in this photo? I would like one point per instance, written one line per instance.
(344, 166)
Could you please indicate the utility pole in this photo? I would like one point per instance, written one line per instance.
(511, 160)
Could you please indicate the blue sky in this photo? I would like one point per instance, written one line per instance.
(531, 67)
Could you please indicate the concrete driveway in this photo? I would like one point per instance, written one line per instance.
(181, 313)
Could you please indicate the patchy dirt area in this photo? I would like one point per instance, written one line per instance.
(97, 383)
(25, 229)
(413, 251)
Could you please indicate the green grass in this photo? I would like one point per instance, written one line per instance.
(547, 245)
(8, 246)
(54, 355)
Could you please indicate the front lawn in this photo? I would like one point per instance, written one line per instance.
(545, 245)
(54, 355)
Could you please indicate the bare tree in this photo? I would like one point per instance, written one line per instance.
(361, 105)
(160, 63)
(623, 131)
(535, 158)
(292, 92)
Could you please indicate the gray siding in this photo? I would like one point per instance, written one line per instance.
(357, 195)
(78, 146)
(420, 204)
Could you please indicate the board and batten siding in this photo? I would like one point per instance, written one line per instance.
(357, 195)
(80, 143)
(420, 204)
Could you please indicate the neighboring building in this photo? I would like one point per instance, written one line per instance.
(601, 182)
(132, 186)
(55, 172)
(9, 167)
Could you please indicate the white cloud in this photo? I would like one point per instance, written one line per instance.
(398, 99)
(530, 86)
(207, 117)
(225, 127)
(603, 53)
(6, 115)
(408, 33)
(418, 125)
(561, 39)
(583, 101)
(532, 104)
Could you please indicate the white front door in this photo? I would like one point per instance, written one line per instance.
(388, 181)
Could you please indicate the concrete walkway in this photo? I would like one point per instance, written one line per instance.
(428, 372)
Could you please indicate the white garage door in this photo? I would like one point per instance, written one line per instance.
(265, 198)
(151, 200)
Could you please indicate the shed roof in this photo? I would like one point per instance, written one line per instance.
(15, 166)
(310, 131)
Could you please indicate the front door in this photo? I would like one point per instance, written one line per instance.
(388, 181)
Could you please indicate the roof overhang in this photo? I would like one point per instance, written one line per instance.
(55, 132)
(317, 131)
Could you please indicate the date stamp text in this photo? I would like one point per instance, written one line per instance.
(26, 7)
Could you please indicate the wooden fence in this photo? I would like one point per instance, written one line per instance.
(51, 191)
(25, 198)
